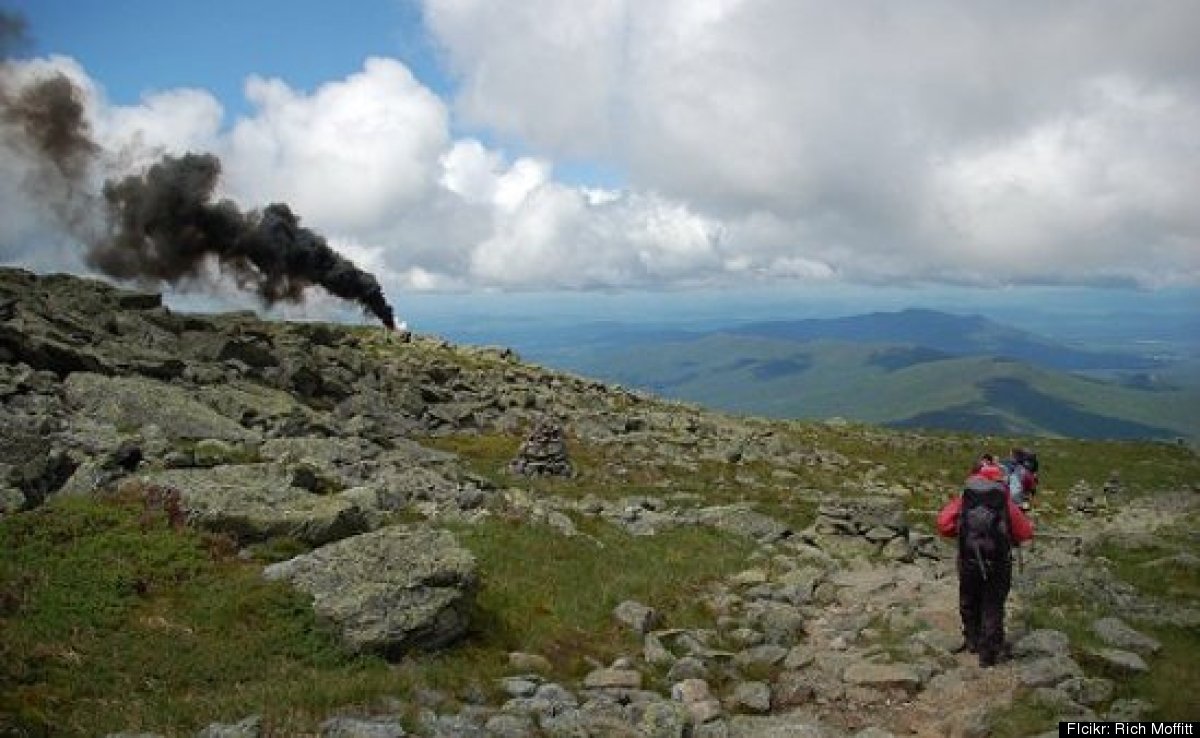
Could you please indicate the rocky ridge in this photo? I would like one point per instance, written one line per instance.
(844, 627)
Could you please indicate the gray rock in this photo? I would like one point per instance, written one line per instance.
(741, 520)
(450, 726)
(388, 591)
(254, 502)
(1048, 671)
(1059, 701)
(134, 402)
(784, 726)
(1116, 633)
(780, 624)
(688, 667)
(636, 616)
(1043, 643)
(507, 725)
(766, 655)
(1119, 661)
(867, 674)
(347, 727)
(793, 689)
(250, 727)
(1128, 710)
(11, 500)
(751, 697)
(664, 720)
(1088, 690)
(613, 679)
(519, 686)
(655, 653)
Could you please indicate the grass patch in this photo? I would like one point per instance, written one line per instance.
(1159, 566)
(1024, 717)
(553, 595)
(115, 622)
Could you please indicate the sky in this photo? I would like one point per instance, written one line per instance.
(471, 146)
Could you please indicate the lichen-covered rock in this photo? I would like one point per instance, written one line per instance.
(741, 520)
(133, 402)
(389, 591)
(1116, 633)
(254, 502)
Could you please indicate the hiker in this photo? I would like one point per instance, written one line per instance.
(987, 524)
(1021, 475)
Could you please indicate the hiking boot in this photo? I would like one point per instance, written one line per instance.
(987, 659)
(968, 646)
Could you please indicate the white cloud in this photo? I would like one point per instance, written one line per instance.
(940, 141)
(347, 156)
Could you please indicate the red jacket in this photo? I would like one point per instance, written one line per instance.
(1019, 529)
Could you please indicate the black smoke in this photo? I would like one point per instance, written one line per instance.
(165, 225)
(44, 123)
(162, 225)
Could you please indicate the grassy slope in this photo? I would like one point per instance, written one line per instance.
(826, 378)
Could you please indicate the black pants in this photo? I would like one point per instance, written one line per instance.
(981, 598)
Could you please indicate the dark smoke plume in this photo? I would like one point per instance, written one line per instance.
(165, 226)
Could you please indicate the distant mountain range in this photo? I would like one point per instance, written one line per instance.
(913, 368)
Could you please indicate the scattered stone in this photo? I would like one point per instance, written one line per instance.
(250, 727)
(687, 668)
(882, 675)
(528, 662)
(664, 720)
(638, 617)
(613, 679)
(1116, 633)
(1048, 671)
(1088, 690)
(1118, 661)
(1043, 643)
(752, 697)
(378, 727)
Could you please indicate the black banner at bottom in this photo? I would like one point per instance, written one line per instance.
(1082, 728)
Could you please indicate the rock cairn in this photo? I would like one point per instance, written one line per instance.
(544, 453)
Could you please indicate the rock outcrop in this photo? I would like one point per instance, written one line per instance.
(388, 591)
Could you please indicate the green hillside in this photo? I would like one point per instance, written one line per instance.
(900, 385)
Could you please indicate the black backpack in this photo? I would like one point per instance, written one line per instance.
(983, 524)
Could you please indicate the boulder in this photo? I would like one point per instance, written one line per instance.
(1116, 633)
(868, 674)
(389, 591)
(254, 502)
(134, 402)
(742, 521)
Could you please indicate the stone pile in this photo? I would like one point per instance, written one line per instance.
(543, 453)
(871, 526)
